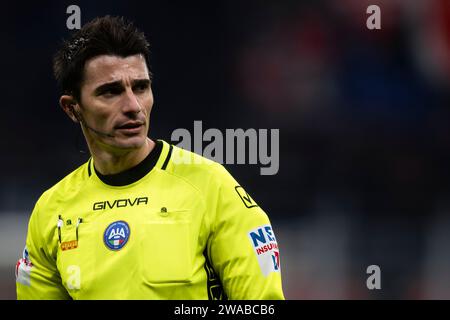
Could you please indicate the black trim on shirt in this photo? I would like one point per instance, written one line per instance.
(167, 158)
(89, 167)
(135, 173)
(213, 284)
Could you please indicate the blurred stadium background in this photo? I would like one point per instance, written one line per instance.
(363, 116)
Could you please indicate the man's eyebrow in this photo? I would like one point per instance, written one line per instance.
(118, 85)
(106, 86)
(137, 82)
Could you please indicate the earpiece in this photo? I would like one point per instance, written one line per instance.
(75, 113)
(80, 119)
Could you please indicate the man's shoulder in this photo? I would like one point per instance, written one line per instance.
(67, 185)
(196, 169)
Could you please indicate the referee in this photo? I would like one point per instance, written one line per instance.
(141, 219)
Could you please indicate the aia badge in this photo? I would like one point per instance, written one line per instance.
(266, 249)
(116, 235)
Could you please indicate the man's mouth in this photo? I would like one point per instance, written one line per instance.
(130, 127)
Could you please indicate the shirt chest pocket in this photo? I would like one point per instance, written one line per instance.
(166, 246)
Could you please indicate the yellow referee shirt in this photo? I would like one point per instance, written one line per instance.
(176, 226)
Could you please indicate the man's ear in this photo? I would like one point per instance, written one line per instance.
(68, 104)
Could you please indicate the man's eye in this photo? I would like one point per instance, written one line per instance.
(141, 87)
(111, 92)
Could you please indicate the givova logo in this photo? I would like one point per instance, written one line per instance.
(266, 249)
(116, 235)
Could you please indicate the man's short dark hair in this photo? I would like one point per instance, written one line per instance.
(101, 36)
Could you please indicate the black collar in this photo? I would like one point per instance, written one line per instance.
(135, 173)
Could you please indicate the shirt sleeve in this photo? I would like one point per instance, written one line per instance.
(242, 245)
(37, 276)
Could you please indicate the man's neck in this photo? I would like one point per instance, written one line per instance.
(107, 162)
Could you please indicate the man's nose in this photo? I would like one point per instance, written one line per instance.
(130, 102)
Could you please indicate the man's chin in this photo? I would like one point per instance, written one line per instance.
(129, 143)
